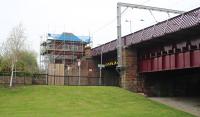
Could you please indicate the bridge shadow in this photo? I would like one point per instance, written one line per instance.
(179, 83)
(111, 76)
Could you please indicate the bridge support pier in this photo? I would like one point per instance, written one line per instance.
(129, 73)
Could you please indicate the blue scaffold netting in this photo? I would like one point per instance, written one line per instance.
(68, 37)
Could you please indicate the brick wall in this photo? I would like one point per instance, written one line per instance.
(129, 75)
(89, 71)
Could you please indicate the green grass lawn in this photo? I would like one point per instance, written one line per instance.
(74, 101)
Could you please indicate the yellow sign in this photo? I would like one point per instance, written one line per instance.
(111, 63)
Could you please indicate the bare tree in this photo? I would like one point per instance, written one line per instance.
(13, 45)
(15, 41)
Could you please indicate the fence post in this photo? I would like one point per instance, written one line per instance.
(54, 79)
(24, 79)
(3, 81)
(64, 79)
(47, 79)
(68, 79)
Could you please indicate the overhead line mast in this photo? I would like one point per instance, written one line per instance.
(120, 66)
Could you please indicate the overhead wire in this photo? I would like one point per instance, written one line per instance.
(108, 23)
(168, 15)
(145, 1)
(104, 26)
(153, 16)
(114, 19)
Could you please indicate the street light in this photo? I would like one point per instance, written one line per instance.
(130, 23)
(79, 72)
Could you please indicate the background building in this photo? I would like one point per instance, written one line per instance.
(65, 48)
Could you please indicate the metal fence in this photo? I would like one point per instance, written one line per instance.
(66, 80)
(39, 79)
(42, 79)
(22, 78)
(19, 78)
(84, 81)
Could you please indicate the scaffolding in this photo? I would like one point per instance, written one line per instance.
(65, 49)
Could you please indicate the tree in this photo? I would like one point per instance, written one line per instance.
(27, 62)
(5, 65)
(1, 57)
(15, 52)
(0, 61)
(15, 43)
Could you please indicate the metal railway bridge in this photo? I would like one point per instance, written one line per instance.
(160, 60)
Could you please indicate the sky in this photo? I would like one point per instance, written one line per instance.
(95, 18)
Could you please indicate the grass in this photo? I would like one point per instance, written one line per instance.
(74, 101)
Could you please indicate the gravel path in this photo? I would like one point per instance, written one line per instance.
(190, 105)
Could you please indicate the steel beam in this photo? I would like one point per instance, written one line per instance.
(149, 8)
(120, 67)
(119, 39)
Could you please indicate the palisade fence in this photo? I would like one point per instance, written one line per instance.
(67, 80)
(22, 78)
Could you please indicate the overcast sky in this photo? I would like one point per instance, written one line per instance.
(96, 18)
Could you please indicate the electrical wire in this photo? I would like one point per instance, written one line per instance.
(168, 15)
(104, 26)
(153, 16)
(109, 23)
(114, 19)
(145, 1)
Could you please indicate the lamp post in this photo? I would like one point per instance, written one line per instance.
(79, 73)
(101, 66)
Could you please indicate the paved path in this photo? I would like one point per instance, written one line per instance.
(190, 105)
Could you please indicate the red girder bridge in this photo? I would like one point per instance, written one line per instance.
(160, 60)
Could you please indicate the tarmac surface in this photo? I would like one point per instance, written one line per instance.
(187, 104)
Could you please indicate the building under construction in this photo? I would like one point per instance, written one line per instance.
(63, 48)
(60, 51)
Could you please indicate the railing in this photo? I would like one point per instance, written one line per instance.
(73, 80)
(44, 79)
(20, 78)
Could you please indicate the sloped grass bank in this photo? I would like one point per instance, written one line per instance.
(74, 101)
